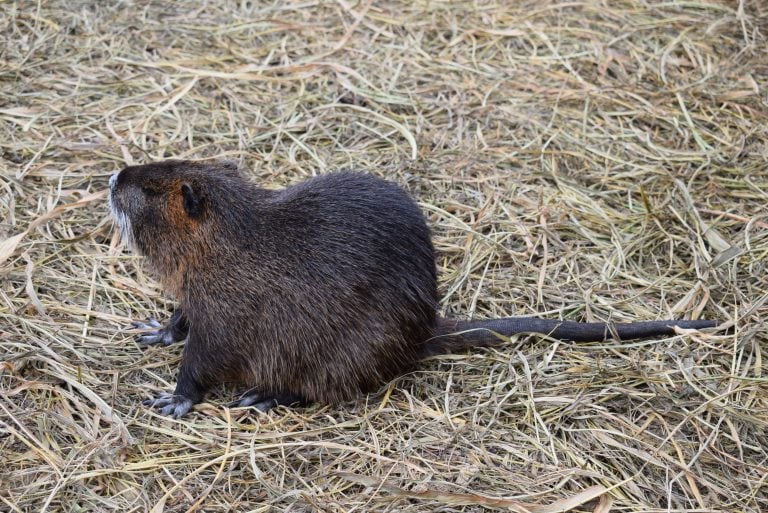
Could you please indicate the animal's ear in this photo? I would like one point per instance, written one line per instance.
(193, 201)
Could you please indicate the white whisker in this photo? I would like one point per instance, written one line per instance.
(122, 221)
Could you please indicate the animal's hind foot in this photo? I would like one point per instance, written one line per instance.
(265, 401)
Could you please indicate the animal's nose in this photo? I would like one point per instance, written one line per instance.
(113, 181)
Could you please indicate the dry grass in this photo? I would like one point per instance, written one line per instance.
(590, 160)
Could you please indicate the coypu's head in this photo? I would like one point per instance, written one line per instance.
(165, 203)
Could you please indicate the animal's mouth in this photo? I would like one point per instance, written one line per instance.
(118, 214)
(113, 208)
(111, 195)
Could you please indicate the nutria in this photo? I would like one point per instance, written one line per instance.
(315, 293)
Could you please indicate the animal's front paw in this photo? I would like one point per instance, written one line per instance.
(168, 404)
(157, 335)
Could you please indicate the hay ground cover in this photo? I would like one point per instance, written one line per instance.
(578, 160)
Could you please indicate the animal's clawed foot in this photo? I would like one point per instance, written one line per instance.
(265, 402)
(159, 334)
(170, 405)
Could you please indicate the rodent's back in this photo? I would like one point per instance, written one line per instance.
(356, 223)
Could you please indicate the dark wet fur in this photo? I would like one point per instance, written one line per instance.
(318, 293)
